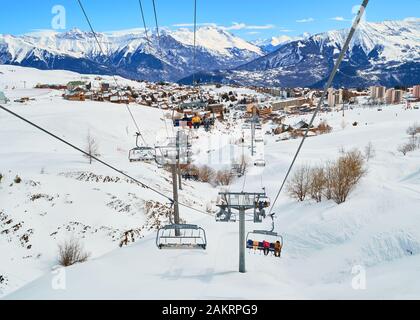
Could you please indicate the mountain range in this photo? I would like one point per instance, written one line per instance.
(386, 53)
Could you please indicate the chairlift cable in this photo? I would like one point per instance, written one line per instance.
(156, 21)
(195, 43)
(100, 161)
(113, 75)
(324, 94)
(160, 53)
(144, 23)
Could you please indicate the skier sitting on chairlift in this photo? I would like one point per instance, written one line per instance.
(277, 249)
(266, 246)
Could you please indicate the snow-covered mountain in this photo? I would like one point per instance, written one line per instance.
(274, 43)
(128, 53)
(386, 53)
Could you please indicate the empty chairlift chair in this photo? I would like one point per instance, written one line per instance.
(225, 214)
(261, 203)
(181, 236)
(141, 153)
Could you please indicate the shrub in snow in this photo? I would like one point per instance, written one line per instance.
(369, 151)
(223, 178)
(1, 177)
(17, 180)
(413, 130)
(328, 173)
(414, 142)
(206, 174)
(299, 185)
(406, 148)
(317, 183)
(324, 128)
(71, 252)
(345, 174)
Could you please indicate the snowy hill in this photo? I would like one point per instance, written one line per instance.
(386, 53)
(62, 196)
(127, 53)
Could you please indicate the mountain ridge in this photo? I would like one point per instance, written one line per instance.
(386, 53)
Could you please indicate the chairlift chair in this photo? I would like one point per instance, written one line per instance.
(141, 153)
(225, 214)
(254, 240)
(189, 237)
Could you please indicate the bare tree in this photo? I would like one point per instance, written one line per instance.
(206, 174)
(317, 183)
(223, 178)
(413, 130)
(369, 152)
(345, 175)
(328, 173)
(409, 146)
(299, 185)
(71, 252)
(92, 148)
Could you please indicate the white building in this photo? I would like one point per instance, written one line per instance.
(335, 97)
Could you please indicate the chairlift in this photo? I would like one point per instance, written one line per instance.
(225, 214)
(261, 203)
(141, 153)
(255, 241)
(181, 236)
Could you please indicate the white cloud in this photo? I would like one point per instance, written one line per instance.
(233, 26)
(305, 20)
(187, 25)
(244, 26)
(339, 19)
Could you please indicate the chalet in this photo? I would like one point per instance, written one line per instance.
(288, 103)
(50, 86)
(301, 125)
(77, 95)
(73, 85)
(105, 86)
(264, 111)
(215, 108)
(116, 98)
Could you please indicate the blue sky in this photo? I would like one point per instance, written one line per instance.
(250, 19)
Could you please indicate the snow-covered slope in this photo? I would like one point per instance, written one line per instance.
(61, 195)
(386, 53)
(127, 52)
